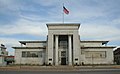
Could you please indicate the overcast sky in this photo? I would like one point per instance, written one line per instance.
(26, 19)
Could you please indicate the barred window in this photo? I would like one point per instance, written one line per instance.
(32, 53)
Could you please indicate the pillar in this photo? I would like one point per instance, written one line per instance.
(70, 50)
(56, 50)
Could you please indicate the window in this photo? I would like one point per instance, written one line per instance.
(31, 53)
(95, 54)
(76, 59)
(50, 59)
(40, 54)
(63, 53)
(63, 44)
(23, 54)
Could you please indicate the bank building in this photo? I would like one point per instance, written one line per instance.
(63, 47)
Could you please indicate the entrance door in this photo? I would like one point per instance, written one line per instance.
(63, 61)
(63, 47)
(63, 57)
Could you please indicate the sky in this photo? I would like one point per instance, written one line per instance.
(27, 19)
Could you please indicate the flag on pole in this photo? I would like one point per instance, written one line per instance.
(65, 10)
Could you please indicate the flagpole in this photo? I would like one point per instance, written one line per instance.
(63, 13)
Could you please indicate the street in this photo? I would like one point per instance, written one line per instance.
(63, 72)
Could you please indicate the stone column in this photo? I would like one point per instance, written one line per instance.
(70, 50)
(56, 50)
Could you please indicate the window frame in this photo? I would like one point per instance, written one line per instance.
(32, 54)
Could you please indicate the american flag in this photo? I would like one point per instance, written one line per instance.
(65, 10)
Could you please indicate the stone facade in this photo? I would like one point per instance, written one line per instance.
(30, 52)
(63, 47)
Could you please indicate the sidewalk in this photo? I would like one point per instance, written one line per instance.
(58, 68)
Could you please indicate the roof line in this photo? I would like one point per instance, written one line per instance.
(63, 24)
(94, 41)
(24, 42)
(29, 47)
(101, 47)
(103, 42)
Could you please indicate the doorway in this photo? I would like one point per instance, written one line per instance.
(63, 61)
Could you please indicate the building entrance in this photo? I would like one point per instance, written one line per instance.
(63, 61)
(63, 48)
(63, 58)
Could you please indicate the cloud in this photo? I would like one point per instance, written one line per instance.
(99, 32)
(116, 21)
(9, 5)
(100, 19)
(9, 43)
(23, 26)
(46, 2)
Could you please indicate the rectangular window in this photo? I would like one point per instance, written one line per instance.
(32, 53)
(40, 54)
(23, 54)
(76, 59)
(50, 59)
(63, 44)
(95, 54)
(63, 53)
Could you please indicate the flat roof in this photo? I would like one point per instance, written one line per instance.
(24, 42)
(103, 42)
(29, 47)
(100, 47)
(94, 41)
(63, 24)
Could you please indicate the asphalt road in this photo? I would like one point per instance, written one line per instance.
(60, 72)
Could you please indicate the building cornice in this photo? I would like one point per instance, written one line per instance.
(29, 47)
(99, 47)
(65, 24)
(24, 42)
(103, 42)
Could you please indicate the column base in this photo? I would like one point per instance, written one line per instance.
(56, 64)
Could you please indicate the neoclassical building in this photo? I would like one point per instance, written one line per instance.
(63, 47)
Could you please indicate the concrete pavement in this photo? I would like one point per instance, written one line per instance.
(61, 72)
(60, 68)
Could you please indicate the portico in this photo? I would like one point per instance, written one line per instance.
(60, 44)
(63, 49)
